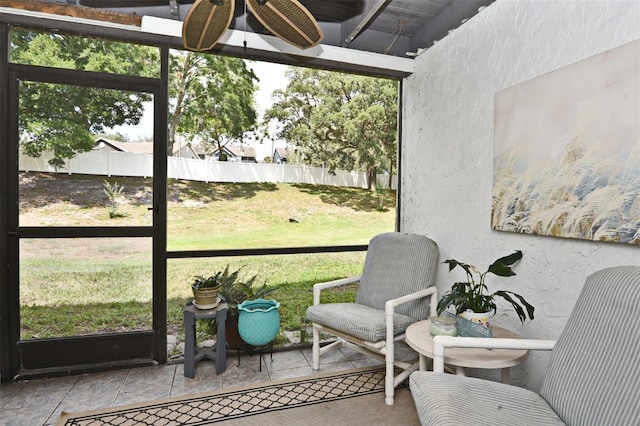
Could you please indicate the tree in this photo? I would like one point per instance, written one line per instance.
(339, 120)
(62, 119)
(211, 99)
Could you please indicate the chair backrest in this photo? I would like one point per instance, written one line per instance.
(594, 372)
(398, 264)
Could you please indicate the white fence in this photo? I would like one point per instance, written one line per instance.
(113, 163)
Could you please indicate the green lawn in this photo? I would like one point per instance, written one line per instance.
(83, 286)
(257, 215)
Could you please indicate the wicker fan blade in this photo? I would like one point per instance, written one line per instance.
(206, 22)
(289, 20)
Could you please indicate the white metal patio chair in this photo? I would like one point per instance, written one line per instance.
(593, 376)
(396, 281)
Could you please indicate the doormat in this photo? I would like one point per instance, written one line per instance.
(213, 407)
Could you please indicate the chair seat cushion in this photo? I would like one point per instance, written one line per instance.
(357, 320)
(445, 399)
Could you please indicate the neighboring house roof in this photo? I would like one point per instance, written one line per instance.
(282, 153)
(199, 149)
(243, 151)
(136, 147)
(182, 148)
(133, 147)
(247, 152)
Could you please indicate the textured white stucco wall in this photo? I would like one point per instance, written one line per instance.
(447, 151)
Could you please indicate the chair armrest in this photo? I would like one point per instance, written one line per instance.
(390, 306)
(432, 291)
(442, 342)
(317, 288)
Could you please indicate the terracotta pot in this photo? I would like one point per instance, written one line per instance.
(234, 341)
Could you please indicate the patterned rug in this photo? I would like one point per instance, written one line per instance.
(214, 407)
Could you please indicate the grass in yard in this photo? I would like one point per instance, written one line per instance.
(261, 218)
(83, 286)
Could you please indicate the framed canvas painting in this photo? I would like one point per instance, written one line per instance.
(567, 151)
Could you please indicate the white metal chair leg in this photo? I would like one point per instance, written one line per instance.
(389, 387)
(389, 356)
(315, 348)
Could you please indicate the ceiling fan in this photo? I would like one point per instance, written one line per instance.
(207, 20)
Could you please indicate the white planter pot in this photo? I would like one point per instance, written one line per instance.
(481, 318)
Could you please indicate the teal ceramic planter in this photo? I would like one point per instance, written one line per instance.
(258, 321)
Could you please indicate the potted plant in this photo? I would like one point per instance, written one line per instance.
(472, 295)
(234, 291)
(205, 291)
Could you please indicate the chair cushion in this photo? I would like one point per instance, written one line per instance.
(357, 320)
(445, 399)
(594, 371)
(398, 264)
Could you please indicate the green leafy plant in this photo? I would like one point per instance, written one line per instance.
(234, 291)
(473, 295)
(200, 281)
(114, 193)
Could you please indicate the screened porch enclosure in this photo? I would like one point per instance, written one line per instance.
(98, 266)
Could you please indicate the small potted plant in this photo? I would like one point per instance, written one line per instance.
(471, 296)
(205, 291)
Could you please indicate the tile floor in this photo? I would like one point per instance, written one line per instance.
(39, 402)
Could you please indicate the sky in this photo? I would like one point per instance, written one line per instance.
(271, 77)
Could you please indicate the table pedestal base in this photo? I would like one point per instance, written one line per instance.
(193, 353)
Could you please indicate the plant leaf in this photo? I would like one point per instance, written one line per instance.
(453, 263)
(501, 267)
(449, 298)
(526, 304)
(507, 296)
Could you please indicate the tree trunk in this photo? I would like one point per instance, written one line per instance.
(372, 174)
(177, 112)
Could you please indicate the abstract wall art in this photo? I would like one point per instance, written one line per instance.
(567, 151)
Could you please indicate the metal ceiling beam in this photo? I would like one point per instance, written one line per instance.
(373, 12)
(259, 47)
(265, 47)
